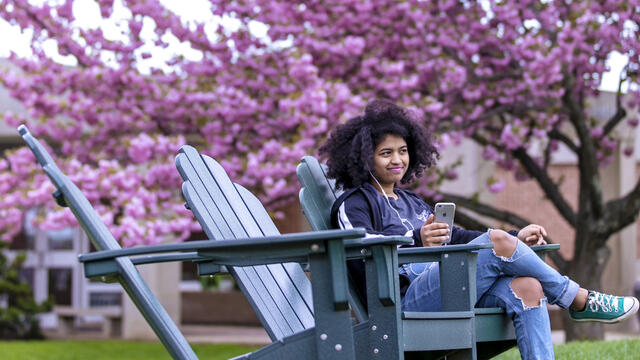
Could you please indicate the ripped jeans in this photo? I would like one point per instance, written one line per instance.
(493, 279)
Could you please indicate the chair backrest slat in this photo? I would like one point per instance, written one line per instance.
(318, 193)
(286, 273)
(279, 293)
(199, 178)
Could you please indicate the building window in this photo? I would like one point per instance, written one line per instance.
(97, 299)
(60, 239)
(22, 241)
(26, 239)
(60, 285)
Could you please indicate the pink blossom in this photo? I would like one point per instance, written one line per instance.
(257, 105)
(496, 186)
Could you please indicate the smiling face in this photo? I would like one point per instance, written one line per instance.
(390, 162)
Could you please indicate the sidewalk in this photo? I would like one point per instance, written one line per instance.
(216, 334)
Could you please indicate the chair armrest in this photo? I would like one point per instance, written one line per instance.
(542, 250)
(201, 245)
(242, 252)
(153, 259)
(435, 253)
(378, 240)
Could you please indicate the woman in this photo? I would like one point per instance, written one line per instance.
(370, 154)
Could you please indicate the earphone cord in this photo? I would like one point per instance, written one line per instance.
(402, 221)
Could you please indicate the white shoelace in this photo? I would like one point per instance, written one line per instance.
(608, 303)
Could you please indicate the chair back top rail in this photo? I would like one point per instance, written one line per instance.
(280, 294)
(96, 230)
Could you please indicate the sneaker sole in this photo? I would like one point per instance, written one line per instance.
(623, 317)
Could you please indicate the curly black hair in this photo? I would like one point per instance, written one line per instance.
(350, 146)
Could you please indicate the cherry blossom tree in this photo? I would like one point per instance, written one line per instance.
(513, 76)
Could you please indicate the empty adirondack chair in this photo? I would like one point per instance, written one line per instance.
(460, 330)
(310, 317)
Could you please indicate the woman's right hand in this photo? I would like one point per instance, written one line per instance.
(434, 233)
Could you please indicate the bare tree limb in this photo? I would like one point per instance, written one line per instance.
(486, 210)
(557, 135)
(547, 185)
(620, 111)
(620, 213)
(590, 197)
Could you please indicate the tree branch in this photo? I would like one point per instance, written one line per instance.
(620, 212)
(590, 186)
(557, 135)
(620, 111)
(547, 184)
(486, 210)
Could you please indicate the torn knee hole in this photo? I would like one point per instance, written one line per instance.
(503, 258)
(530, 302)
(528, 291)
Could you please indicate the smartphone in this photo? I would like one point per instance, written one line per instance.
(444, 213)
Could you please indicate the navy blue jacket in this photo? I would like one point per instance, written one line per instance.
(365, 207)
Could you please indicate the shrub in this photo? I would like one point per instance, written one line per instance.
(18, 312)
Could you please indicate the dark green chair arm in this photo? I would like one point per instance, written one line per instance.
(203, 245)
(542, 250)
(435, 253)
(241, 252)
(154, 259)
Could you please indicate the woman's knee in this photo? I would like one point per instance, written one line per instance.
(504, 244)
(528, 289)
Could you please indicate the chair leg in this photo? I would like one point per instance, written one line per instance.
(333, 330)
(383, 302)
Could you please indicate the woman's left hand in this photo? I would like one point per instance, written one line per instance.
(533, 234)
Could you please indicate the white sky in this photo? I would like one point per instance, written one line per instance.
(88, 16)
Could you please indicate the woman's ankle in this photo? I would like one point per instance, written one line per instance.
(580, 301)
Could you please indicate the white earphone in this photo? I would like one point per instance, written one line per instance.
(403, 221)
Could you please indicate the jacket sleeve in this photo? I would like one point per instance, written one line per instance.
(354, 211)
(417, 240)
(462, 236)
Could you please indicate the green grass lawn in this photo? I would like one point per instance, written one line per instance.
(579, 350)
(102, 350)
(99, 350)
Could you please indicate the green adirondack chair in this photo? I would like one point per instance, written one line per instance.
(460, 330)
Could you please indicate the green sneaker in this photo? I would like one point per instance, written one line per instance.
(606, 308)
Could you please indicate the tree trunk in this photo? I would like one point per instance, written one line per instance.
(586, 269)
